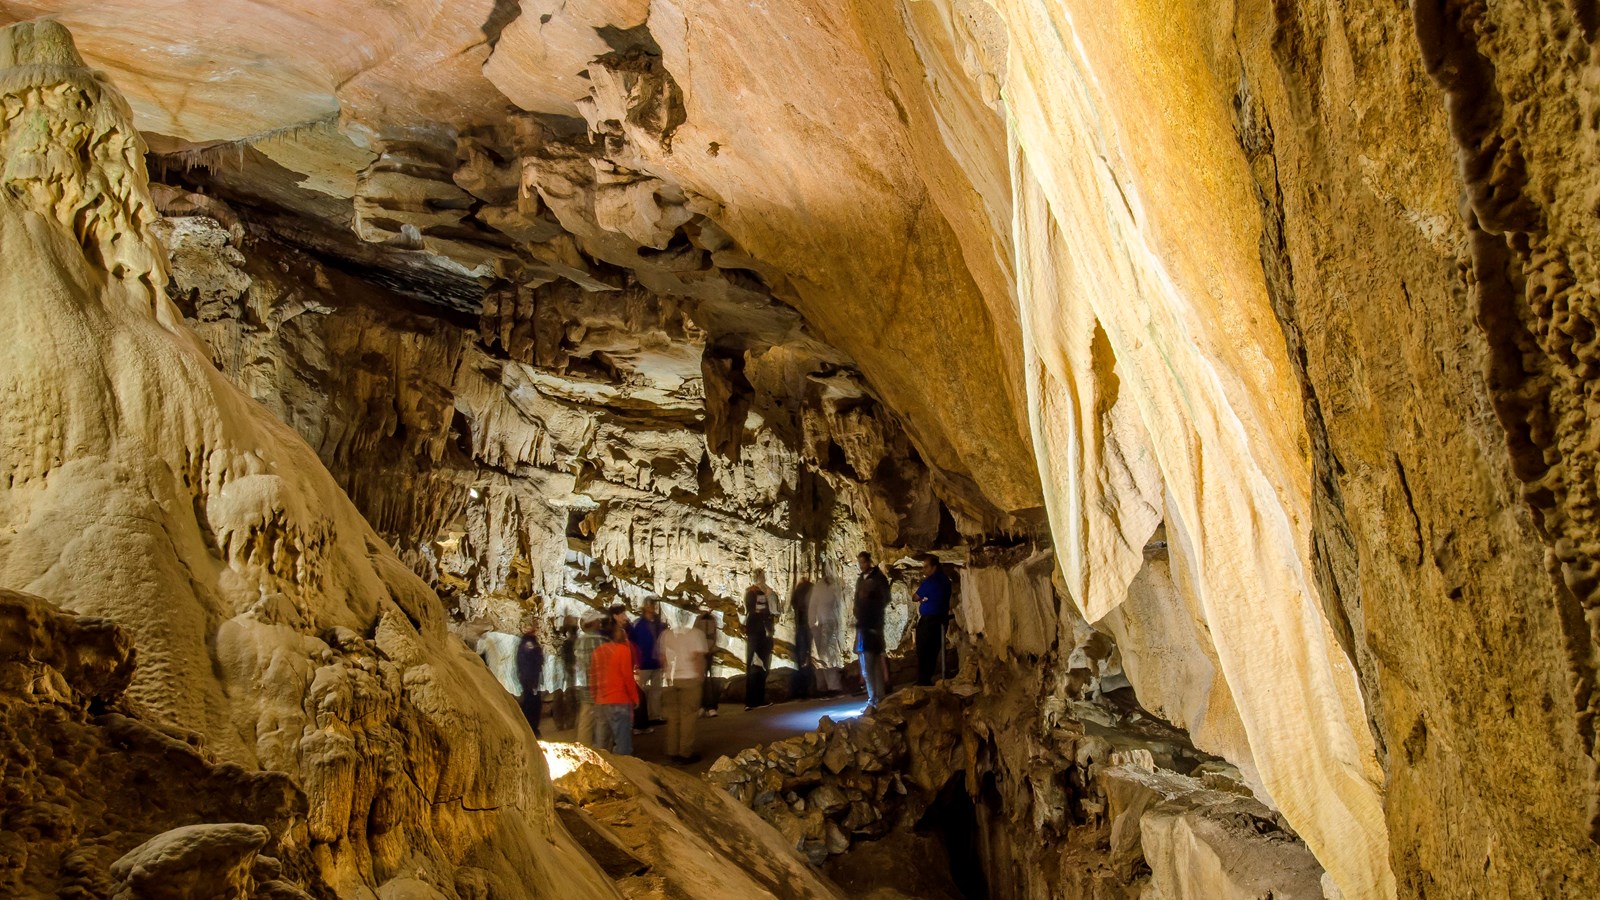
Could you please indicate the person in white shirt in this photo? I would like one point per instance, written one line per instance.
(684, 653)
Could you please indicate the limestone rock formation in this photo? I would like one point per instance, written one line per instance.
(561, 452)
(143, 488)
(102, 801)
(663, 833)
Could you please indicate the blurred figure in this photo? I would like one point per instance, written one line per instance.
(684, 652)
(615, 693)
(591, 634)
(799, 601)
(710, 691)
(824, 607)
(871, 602)
(933, 611)
(645, 632)
(565, 693)
(759, 601)
(530, 672)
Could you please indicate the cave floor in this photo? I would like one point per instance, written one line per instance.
(734, 729)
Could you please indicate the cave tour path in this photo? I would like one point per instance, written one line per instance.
(734, 729)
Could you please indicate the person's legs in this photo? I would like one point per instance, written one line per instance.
(602, 726)
(652, 694)
(622, 730)
(687, 695)
(928, 637)
(761, 683)
(529, 701)
(641, 715)
(868, 667)
(674, 720)
(873, 671)
(586, 731)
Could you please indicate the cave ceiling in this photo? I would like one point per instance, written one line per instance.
(455, 150)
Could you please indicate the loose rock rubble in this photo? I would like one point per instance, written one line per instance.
(1107, 803)
(851, 780)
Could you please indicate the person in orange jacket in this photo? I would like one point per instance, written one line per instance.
(615, 692)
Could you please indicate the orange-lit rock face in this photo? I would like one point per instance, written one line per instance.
(1200, 282)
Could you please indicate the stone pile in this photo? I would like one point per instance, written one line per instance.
(851, 780)
(1104, 800)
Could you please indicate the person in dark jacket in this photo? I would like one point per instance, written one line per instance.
(933, 611)
(871, 601)
(758, 618)
(530, 672)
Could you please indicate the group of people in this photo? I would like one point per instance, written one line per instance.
(813, 606)
(643, 673)
(630, 675)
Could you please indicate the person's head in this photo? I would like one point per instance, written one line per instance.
(591, 621)
(619, 633)
(760, 576)
(652, 610)
(618, 613)
(864, 559)
(930, 563)
(530, 629)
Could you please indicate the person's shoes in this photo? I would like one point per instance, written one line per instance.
(700, 714)
(643, 730)
(690, 760)
(654, 722)
(711, 714)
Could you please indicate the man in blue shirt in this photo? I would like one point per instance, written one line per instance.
(644, 633)
(933, 611)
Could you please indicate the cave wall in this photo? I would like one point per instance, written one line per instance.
(1385, 502)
